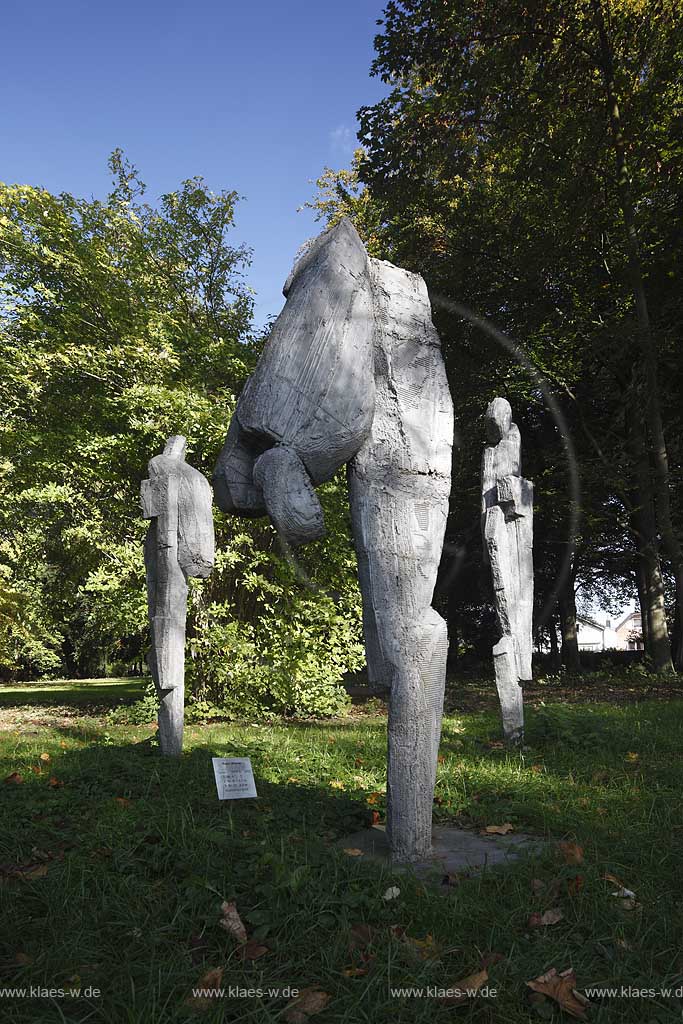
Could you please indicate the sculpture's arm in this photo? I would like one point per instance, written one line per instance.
(289, 496)
(515, 495)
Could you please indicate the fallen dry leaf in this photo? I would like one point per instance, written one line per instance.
(63, 743)
(373, 798)
(211, 980)
(574, 885)
(537, 886)
(54, 782)
(360, 936)
(625, 895)
(632, 757)
(14, 778)
(232, 922)
(253, 950)
(466, 988)
(41, 855)
(562, 989)
(23, 958)
(337, 784)
(353, 851)
(355, 972)
(44, 757)
(572, 852)
(375, 817)
(122, 801)
(613, 879)
(452, 878)
(498, 830)
(489, 959)
(627, 898)
(545, 919)
(309, 1002)
(24, 872)
(425, 948)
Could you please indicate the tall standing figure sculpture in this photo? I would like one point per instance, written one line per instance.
(352, 373)
(179, 544)
(507, 526)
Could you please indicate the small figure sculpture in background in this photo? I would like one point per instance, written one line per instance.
(179, 543)
(507, 527)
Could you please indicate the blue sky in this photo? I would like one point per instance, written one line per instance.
(256, 96)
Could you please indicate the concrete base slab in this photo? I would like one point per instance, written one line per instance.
(454, 849)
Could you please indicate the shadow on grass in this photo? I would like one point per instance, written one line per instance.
(141, 854)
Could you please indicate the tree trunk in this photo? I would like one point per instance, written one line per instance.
(655, 633)
(570, 638)
(650, 582)
(643, 603)
(555, 659)
(649, 385)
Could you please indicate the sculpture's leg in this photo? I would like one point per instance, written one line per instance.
(406, 640)
(414, 732)
(168, 633)
(434, 651)
(410, 769)
(509, 690)
(524, 526)
(167, 605)
(171, 719)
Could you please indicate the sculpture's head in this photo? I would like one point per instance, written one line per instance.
(498, 420)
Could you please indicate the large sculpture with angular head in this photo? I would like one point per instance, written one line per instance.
(507, 526)
(352, 373)
(179, 543)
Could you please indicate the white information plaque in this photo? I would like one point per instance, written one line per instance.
(234, 777)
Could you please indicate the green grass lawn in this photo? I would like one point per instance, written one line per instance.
(126, 859)
(71, 692)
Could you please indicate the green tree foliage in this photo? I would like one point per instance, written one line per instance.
(123, 322)
(527, 161)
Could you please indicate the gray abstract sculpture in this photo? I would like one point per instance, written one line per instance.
(507, 526)
(352, 373)
(179, 543)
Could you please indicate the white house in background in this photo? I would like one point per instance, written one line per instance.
(598, 631)
(630, 632)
